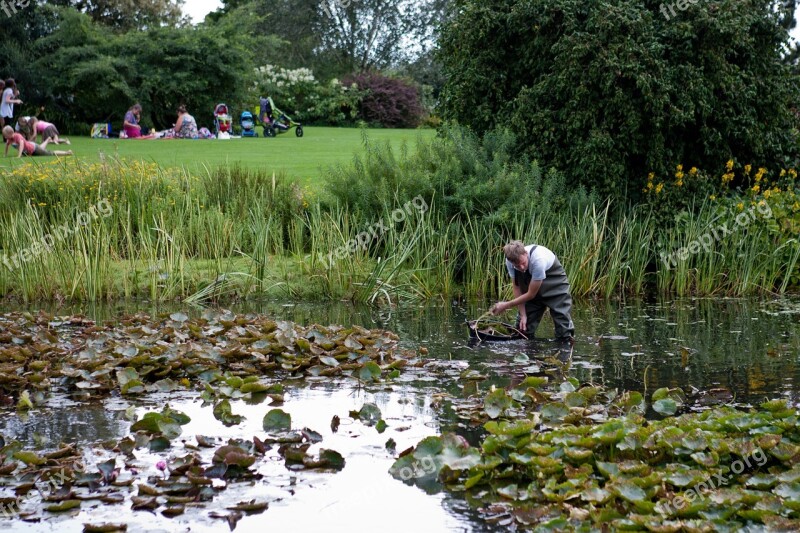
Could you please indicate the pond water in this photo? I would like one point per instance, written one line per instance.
(739, 352)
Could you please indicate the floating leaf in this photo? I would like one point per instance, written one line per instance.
(276, 421)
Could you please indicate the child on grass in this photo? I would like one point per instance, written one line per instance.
(27, 147)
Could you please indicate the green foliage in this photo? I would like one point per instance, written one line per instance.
(298, 93)
(91, 74)
(608, 92)
(469, 176)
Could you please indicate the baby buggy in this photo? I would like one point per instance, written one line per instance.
(276, 121)
(222, 121)
(248, 124)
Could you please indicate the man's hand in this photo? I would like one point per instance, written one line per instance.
(523, 323)
(499, 307)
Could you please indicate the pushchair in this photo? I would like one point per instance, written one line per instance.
(222, 121)
(276, 121)
(248, 124)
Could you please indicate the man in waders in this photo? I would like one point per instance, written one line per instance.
(539, 283)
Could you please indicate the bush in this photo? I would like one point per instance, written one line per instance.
(467, 177)
(300, 95)
(610, 91)
(389, 102)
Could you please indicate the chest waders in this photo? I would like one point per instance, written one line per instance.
(553, 294)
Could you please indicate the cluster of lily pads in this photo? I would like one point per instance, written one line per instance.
(138, 354)
(221, 356)
(558, 455)
(190, 477)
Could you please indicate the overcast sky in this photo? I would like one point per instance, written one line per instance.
(198, 9)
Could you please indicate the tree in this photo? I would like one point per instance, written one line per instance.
(337, 37)
(125, 15)
(611, 91)
(92, 74)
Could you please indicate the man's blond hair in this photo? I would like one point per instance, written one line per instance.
(514, 250)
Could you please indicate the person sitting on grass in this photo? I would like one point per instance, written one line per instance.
(27, 147)
(186, 126)
(540, 283)
(48, 130)
(131, 126)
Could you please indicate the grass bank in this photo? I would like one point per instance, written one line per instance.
(74, 230)
(303, 160)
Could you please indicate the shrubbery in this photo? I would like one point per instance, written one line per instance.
(608, 92)
(387, 101)
(299, 94)
(467, 176)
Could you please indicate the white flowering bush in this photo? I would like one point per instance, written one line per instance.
(300, 95)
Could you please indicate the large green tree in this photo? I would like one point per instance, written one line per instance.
(89, 73)
(337, 37)
(127, 15)
(609, 91)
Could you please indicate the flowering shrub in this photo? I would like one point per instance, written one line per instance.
(390, 102)
(738, 187)
(301, 96)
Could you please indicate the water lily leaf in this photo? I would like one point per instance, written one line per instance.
(496, 403)
(370, 414)
(628, 491)
(277, 421)
(329, 361)
(789, 491)
(554, 412)
(64, 506)
(222, 412)
(353, 344)
(179, 317)
(370, 372)
(595, 495)
(610, 470)
(381, 425)
(667, 407)
(327, 459)
(29, 458)
(251, 507)
(104, 528)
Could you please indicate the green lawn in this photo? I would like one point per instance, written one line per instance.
(303, 159)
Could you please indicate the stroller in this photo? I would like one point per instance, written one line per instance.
(222, 121)
(248, 124)
(276, 121)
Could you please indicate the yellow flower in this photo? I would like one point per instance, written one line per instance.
(767, 193)
(756, 188)
(792, 173)
(740, 206)
(693, 171)
(679, 168)
(747, 169)
(659, 187)
(729, 165)
(783, 172)
(679, 183)
(712, 197)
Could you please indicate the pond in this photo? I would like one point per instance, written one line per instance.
(737, 352)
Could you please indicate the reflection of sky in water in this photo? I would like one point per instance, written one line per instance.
(746, 349)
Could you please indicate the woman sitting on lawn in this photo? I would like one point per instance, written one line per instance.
(186, 127)
(27, 147)
(131, 125)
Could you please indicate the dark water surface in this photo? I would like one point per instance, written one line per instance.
(718, 351)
